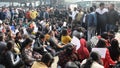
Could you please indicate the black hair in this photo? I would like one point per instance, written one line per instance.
(10, 44)
(64, 32)
(71, 65)
(113, 5)
(1, 37)
(101, 4)
(104, 35)
(114, 43)
(111, 32)
(47, 59)
(114, 50)
(38, 34)
(101, 43)
(91, 9)
(17, 33)
(93, 57)
(26, 42)
(69, 49)
(17, 36)
(41, 36)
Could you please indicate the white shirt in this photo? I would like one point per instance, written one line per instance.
(101, 11)
(1, 27)
(74, 14)
(94, 64)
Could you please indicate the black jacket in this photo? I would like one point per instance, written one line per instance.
(102, 19)
(38, 47)
(113, 17)
(12, 60)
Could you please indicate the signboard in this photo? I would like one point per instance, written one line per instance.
(100, 51)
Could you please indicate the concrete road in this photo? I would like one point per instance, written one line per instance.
(54, 65)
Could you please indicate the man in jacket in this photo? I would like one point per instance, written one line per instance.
(101, 18)
(2, 14)
(92, 23)
(113, 18)
(40, 45)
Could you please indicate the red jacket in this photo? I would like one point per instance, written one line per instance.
(83, 51)
(107, 60)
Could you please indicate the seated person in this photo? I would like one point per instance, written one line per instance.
(45, 62)
(29, 56)
(10, 59)
(93, 61)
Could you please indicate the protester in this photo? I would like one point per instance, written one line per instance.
(107, 61)
(92, 23)
(45, 62)
(101, 18)
(28, 55)
(65, 39)
(53, 30)
(114, 50)
(92, 62)
(11, 60)
(113, 18)
(83, 51)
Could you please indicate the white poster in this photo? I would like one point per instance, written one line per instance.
(100, 51)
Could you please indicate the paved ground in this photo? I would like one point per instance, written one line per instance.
(54, 65)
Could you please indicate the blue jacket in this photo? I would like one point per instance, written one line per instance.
(2, 15)
(92, 19)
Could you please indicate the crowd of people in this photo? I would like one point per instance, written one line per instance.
(31, 38)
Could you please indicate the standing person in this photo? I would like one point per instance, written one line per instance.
(74, 13)
(92, 23)
(113, 18)
(8, 14)
(46, 15)
(2, 14)
(41, 13)
(21, 15)
(101, 18)
(69, 16)
(79, 16)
